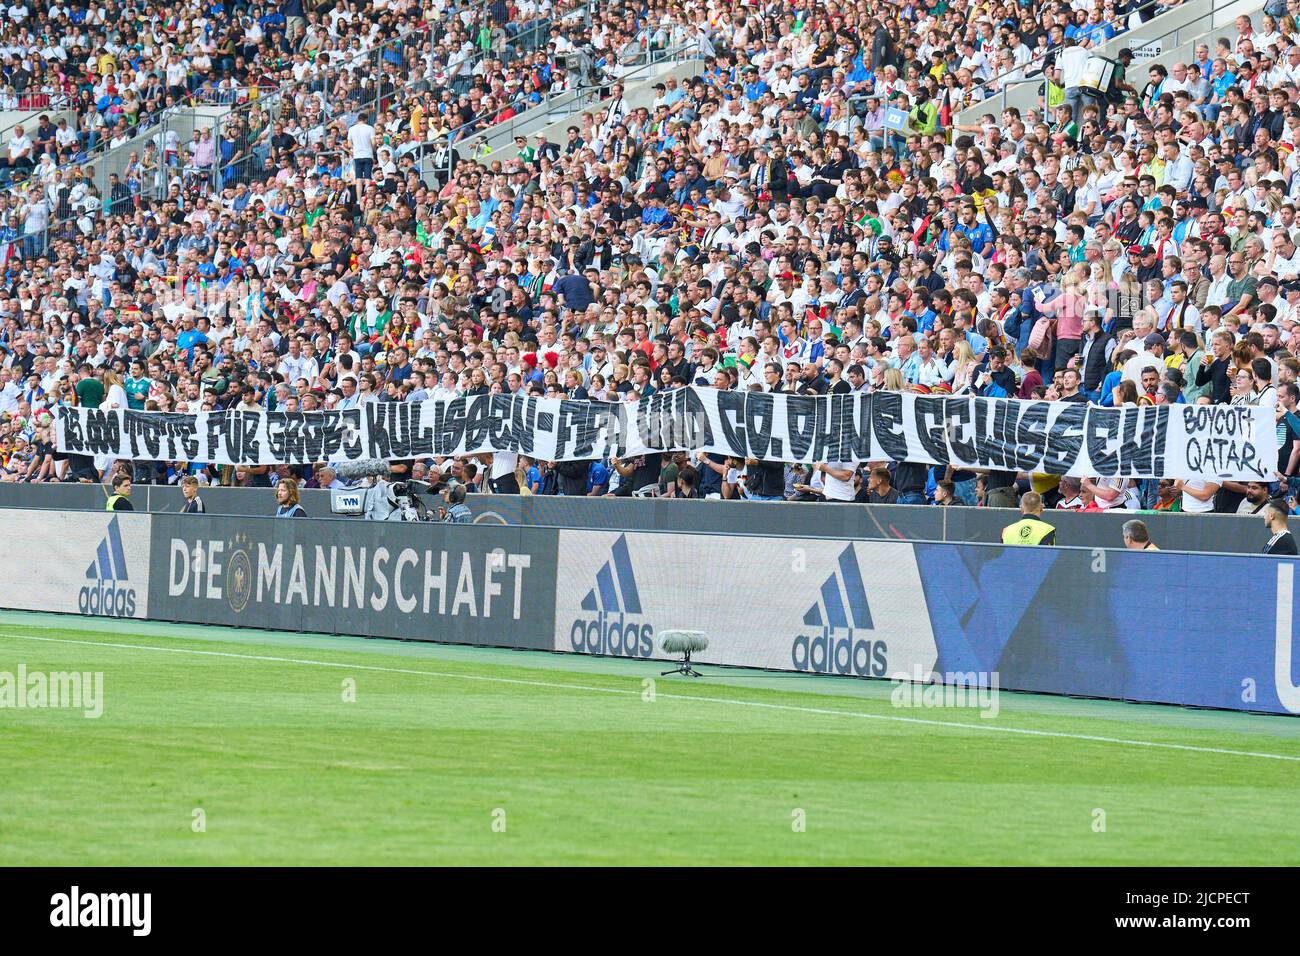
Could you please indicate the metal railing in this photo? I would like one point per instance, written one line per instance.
(437, 159)
(254, 110)
(243, 144)
(248, 98)
(1183, 32)
(136, 179)
(1194, 29)
(96, 145)
(1035, 64)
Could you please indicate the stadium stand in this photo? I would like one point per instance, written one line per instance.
(295, 208)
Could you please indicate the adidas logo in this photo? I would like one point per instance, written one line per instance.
(110, 561)
(841, 609)
(108, 571)
(611, 599)
(843, 601)
(614, 604)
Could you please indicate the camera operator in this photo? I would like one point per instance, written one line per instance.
(389, 495)
(456, 511)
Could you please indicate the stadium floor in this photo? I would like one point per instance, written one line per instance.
(455, 755)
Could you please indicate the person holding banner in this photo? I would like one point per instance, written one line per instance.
(502, 477)
(837, 480)
(510, 289)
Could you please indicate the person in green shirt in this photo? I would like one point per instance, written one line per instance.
(925, 115)
(315, 211)
(364, 331)
(90, 390)
(137, 386)
(524, 151)
(1242, 290)
(1189, 343)
(1066, 127)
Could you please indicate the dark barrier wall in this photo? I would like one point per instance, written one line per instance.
(447, 583)
(221, 501)
(1172, 532)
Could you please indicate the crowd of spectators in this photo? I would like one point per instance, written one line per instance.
(756, 226)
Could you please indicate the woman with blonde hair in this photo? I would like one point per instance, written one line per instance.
(1101, 278)
(1287, 27)
(1109, 181)
(1128, 301)
(1066, 310)
(1099, 288)
(114, 392)
(893, 380)
(1273, 203)
(963, 367)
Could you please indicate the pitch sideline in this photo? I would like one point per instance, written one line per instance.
(789, 708)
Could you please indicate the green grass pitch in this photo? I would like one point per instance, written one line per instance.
(475, 756)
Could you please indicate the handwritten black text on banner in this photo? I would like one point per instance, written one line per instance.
(1181, 441)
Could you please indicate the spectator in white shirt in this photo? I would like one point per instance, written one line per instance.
(1284, 262)
(296, 365)
(18, 155)
(361, 137)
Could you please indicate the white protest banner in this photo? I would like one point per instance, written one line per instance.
(1063, 438)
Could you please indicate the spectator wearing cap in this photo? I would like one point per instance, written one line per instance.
(1289, 308)
(1148, 264)
(1152, 356)
(925, 276)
